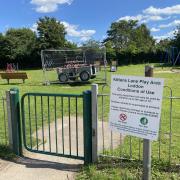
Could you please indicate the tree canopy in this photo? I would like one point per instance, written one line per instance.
(17, 43)
(51, 33)
(128, 36)
(176, 40)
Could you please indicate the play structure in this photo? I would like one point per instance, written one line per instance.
(171, 56)
(113, 66)
(71, 65)
(11, 67)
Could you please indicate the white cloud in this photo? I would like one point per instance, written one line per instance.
(72, 31)
(155, 29)
(174, 23)
(47, 6)
(155, 18)
(139, 17)
(154, 14)
(165, 36)
(158, 14)
(142, 18)
(163, 11)
(34, 27)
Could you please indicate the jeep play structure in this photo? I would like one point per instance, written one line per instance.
(72, 65)
(73, 70)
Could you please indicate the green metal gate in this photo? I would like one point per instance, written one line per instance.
(58, 124)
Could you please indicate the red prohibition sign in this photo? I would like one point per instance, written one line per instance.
(122, 117)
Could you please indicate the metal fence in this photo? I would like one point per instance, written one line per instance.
(53, 124)
(3, 122)
(167, 148)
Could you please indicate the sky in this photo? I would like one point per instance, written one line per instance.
(90, 19)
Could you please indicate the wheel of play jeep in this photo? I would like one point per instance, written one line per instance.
(63, 77)
(84, 76)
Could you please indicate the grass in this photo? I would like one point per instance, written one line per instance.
(34, 84)
(6, 153)
(126, 170)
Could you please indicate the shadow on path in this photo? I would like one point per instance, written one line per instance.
(36, 163)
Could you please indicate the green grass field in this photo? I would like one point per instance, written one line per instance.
(34, 84)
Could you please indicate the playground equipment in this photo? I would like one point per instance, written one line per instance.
(113, 67)
(171, 56)
(71, 64)
(11, 67)
(73, 70)
(177, 59)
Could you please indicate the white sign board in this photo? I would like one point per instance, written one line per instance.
(135, 105)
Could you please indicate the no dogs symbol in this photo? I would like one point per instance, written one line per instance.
(123, 117)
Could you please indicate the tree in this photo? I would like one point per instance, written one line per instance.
(94, 51)
(51, 33)
(143, 39)
(176, 41)
(128, 39)
(110, 52)
(163, 44)
(128, 36)
(70, 45)
(120, 34)
(18, 43)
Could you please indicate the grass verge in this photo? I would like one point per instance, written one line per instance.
(122, 170)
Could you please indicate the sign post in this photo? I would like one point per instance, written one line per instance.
(135, 108)
(147, 143)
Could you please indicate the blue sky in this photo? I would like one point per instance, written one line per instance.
(85, 19)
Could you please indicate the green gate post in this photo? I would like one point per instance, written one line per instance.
(87, 116)
(14, 107)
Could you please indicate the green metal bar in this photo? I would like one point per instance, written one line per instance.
(62, 107)
(15, 112)
(35, 116)
(55, 154)
(30, 130)
(52, 95)
(49, 126)
(87, 116)
(23, 120)
(5, 126)
(42, 119)
(55, 116)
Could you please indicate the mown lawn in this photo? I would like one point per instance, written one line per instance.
(34, 84)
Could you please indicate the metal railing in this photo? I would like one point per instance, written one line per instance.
(167, 148)
(3, 122)
(53, 124)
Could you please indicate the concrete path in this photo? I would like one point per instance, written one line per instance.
(45, 167)
(40, 167)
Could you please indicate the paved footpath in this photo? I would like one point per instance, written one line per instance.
(39, 167)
